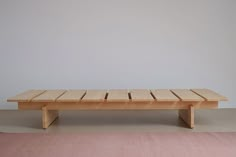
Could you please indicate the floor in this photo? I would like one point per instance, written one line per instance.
(142, 144)
(220, 120)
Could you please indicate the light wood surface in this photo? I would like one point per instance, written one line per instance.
(26, 96)
(141, 95)
(209, 95)
(94, 96)
(48, 117)
(118, 96)
(188, 116)
(187, 95)
(71, 96)
(164, 95)
(49, 96)
(50, 101)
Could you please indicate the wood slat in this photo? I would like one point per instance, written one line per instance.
(49, 96)
(209, 95)
(187, 95)
(164, 95)
(71, 96)
(26, 96)
(118, 96)
(94, 96)
(141, 95)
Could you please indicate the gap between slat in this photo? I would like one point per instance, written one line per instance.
(198, 94)
(38, 95)
(153, 96)
(83, 95)
(129, 95)
(176, 95)
(60, 95)
(106, 96)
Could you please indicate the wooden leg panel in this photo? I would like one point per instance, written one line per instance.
(188, 116)
(48, 117)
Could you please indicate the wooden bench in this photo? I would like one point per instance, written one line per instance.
(184, 100)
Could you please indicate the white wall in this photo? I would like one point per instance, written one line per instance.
(117, 44)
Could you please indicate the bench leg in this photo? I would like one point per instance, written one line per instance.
(188, 116)
(48, 116)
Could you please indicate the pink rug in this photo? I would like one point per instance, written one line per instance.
(119, 145)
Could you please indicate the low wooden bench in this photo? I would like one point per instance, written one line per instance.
(184, 100)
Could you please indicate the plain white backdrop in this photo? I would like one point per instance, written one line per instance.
(104, 44)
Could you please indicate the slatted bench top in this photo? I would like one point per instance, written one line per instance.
(135, 95)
